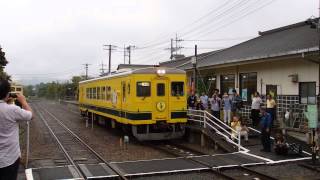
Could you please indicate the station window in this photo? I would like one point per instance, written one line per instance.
(98, 93)
(103, 93)
(227, 83)
(248, 85)
(177, 89)
(143, 89)
(160, 89)
(307, 92)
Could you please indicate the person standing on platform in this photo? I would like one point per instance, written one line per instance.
(204, 100)
(265, 124)
(215, 102)
(255, 109)
(236, 102)
(271, 108)
(10, 116)
(226, 101)
(192, 101)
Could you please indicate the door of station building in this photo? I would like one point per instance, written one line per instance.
(272, 90)
(160, 100)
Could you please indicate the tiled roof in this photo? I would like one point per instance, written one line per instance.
(288, 40)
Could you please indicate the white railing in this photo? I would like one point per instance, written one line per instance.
(208, 121)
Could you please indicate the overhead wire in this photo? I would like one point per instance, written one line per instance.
(185, 26)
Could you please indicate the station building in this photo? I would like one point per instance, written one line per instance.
(283, 62)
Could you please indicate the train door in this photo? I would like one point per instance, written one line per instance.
(160, 100)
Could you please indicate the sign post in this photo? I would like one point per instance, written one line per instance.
(312, 116)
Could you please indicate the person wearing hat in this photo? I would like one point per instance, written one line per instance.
(265, 124)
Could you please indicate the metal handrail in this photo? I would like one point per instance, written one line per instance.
(206, 118)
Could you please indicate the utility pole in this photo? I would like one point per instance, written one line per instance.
(195, 67)
(174, 48)
(102, 68)
(129, 52)
(124, 54)
(86, 66)
(171, 50)
(110, 48)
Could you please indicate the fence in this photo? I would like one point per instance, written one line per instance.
(209, 122)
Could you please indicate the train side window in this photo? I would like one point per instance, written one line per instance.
(128, 88)
(108, 93)
(123, 91)
(90, 94)
(161, 89)
(18, 89)
(143, 89)
(94, 93)
(103, 93)
(13, 89)
(87, 93)
(98, 92)
(177, 89)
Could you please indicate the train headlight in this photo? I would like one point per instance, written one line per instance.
(161, 72)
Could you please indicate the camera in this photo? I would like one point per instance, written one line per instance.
(13, 95)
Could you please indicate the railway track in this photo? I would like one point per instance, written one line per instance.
(240, 172)
(231, 173)
(74, 149)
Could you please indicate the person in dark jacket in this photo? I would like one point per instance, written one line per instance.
(265, 124)
(192, 100)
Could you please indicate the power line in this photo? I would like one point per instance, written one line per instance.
(237, 17)
(186, 26)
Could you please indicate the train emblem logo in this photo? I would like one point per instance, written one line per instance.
(161, 106)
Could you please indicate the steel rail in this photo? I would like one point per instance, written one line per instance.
(115, 169)
(258, 173)
(66, 154)
(193, 160)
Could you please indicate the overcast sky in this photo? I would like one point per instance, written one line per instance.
(51, 40)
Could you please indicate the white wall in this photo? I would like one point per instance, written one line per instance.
(274, 73)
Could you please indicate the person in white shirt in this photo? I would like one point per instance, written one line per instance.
(10, 116)
(204, 100)
(255, 109)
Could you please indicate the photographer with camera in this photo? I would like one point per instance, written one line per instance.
(10, 116)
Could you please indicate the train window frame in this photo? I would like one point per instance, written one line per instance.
(103, 93)
(94, 93)
(87, 93)
(90, 94)
(108, 93)
(141, 94)
(123, 91)
(128, 88)
(18, 89)
(173, 93)
(163, 89)
(98, 93)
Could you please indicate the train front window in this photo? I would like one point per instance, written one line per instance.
(143, 89)
(160, 89)
(177, 89)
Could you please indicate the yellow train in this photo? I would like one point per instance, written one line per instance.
(150, 102)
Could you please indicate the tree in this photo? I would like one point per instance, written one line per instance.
(3, 63)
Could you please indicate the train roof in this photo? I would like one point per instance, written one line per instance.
(148, 70)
